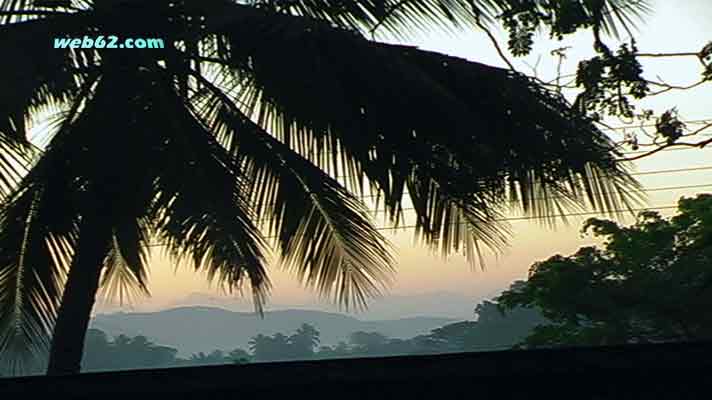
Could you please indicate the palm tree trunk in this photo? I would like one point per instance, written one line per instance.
(78, 299)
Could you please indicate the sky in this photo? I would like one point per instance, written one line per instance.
(674, 26)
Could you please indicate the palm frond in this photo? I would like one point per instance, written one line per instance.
(37, 77)
(554, 156)
(323, 231)
(40, 222)
(37, 248)
(624, 14)
(391, 112)
(15, 159)
(125, 271)
(458, 224)
(13, 5)
(403, 18)
(200, 210)
(396, 17)
(178, 178)
(351, 98)
(39, 231)
(610, 16)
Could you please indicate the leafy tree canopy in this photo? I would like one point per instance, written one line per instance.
(648, 282)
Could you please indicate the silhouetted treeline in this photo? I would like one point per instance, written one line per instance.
(138, 352)
(122, 352)
(492, 330)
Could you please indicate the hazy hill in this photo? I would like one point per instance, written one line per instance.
(195, 329)
(391, 306)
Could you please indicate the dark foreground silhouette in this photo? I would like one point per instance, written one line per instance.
(650, 371)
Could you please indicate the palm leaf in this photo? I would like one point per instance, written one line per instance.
(38, 77)
(180, 184)
(609, 16)
(39, 231)
(125, 273)
(397, 17)
(40, 222)
(38, 238)
(458, 224)
(15, 158)
(391, 112)
(404, 17)
(330, 242)
(624, 14)
(200, 211)
(553, 155)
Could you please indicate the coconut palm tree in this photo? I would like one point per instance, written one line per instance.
(303, 342)
(260, 126)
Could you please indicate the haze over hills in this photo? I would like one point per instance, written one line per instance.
(434, 304)
(196, 329)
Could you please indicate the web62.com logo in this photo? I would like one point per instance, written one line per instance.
(109, 42)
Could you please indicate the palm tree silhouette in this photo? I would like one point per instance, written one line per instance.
(304, 341)
(258, 126)
(259, 345)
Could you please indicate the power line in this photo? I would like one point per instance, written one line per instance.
(643, 173)
(652, 172)
(662, 189)
(659, 189)
(390, 228)
(667, 171)
(660, 208)
(707, 122)
(666, 150)
(618, 128)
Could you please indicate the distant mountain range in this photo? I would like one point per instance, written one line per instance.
(196, 329)
(393, 306)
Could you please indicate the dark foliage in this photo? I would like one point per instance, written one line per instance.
(650, 282)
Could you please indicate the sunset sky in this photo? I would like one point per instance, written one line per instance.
(675, 26)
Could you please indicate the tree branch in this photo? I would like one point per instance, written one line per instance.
(667, 87)
(667, 54)
(700, 144)
(496, 44)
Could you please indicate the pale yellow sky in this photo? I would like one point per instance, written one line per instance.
(676, 26)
